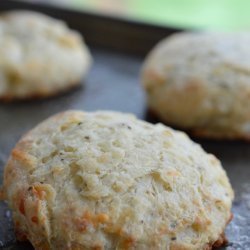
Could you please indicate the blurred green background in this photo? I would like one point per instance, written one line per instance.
(208, 14)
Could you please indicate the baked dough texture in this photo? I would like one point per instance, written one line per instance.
(107, 180)
(39, 56)
(201, 82)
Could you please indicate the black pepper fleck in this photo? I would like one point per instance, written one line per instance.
(173, 238)
(173, 225)
(125, 125)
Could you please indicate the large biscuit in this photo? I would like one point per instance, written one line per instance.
(106, 180)
(39, 56)
(201, 82)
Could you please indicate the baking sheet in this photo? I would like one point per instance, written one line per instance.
(113, 84)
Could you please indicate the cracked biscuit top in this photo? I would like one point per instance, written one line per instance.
(106, 180)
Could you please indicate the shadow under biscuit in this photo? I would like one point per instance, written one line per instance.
(151, 117)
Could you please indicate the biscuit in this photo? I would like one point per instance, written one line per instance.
(201, 82)
(106, 180)
(39, 56)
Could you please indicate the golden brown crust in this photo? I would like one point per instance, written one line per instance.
(222, 241)
(126, 243)
(200, 132)
(39, 95)
(1, 194)
(23, 157)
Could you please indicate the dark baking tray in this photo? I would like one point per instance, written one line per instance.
(118, 47)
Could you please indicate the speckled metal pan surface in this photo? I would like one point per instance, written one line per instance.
(113, 84)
